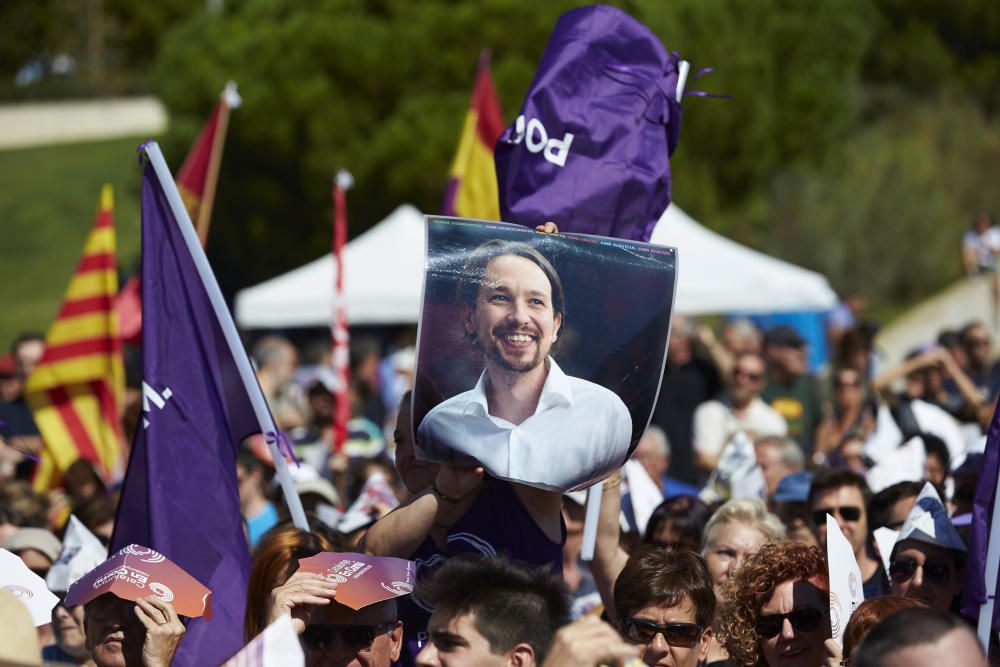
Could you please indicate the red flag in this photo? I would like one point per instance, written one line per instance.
(341, 357)
(196, 182)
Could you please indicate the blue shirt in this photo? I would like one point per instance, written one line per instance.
(260, 524)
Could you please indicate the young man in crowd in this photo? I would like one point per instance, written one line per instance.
(844, 495)
(491, 613)
(741, 409)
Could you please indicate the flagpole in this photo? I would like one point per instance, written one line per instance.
(992, 570)
(225, 319)
(230, 100)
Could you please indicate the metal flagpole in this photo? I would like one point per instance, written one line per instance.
(225, 320)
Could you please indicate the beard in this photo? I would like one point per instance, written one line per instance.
(520, 364)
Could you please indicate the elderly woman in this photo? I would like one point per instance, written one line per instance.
(777, 608)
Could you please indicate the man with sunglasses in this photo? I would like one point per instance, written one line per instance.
(928, 558)
(741, 409)
(338, 636)
(664, 604)
(844, 495)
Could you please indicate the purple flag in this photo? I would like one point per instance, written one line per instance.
(180, 495)
(974, 591)
(590, 148)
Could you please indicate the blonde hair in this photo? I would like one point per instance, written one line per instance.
(749, 512)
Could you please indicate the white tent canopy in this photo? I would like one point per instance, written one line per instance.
(384, 275)
(718, 275)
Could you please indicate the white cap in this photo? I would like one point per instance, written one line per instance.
(929, 522)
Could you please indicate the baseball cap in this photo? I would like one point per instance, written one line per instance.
(784, 336)
(793, 488)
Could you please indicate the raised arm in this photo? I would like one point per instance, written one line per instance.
(609, 557)
(403, 530)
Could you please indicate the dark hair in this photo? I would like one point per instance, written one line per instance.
(834, 479)
(475, 269)
(935, 446)
(870, 613)
(881, 503)
(905, 629)
(510, 603)
(688, 515)
(654, 576)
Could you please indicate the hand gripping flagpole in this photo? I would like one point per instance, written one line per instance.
(225, 319)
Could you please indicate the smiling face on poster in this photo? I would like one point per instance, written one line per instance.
(539, 355)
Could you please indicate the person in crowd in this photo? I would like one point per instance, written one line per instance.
(276, 360)
(689, 380)
(741, 409)
(337, 635)
(664, 603)
(253, 477)
(777, 608)
(889, 507)
(654, 453)
(777, 457)
(907, 415)
(791, 389)
(850, 454)
(82, 482)
(98, 515)
(920, 637)
(790, 503)
(870, 613)
(37, 548)
(491, 612)
(852, 413)
(120, 633)
(20, 507)
(69, 630)
(677, 523)
(845, 316)
(938, 460)
(854, 350)
(19, 422)
(844, 495)
(928, 564)
(273, 563)
(983, 370)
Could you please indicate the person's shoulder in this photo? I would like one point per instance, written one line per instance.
(712, 405)
(587, 392)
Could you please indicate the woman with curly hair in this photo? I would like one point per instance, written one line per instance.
(777, 608)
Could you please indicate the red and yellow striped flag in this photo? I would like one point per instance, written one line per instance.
(77, 388)
(472, 189)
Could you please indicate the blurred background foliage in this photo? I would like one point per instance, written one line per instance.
(860, 140)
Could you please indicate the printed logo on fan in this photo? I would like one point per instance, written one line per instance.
(398, 587)
(161, 591)
(835, 628)
(19, 591)
(335, 578)
(146, 555)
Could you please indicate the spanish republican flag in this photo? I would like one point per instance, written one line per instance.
(78, 386)
(472, 188)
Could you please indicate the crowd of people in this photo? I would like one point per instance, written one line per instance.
(725, 566)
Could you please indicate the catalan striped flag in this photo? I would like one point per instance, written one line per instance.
(78, 386)
(472, 188)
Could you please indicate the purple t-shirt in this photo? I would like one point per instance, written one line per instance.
(496, 524)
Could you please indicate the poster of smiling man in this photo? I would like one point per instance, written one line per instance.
(539, 356)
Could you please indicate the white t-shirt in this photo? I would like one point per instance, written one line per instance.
(984, 245)
(580, 431)
(715, 424)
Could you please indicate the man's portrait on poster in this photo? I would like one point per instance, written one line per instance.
(524, 418)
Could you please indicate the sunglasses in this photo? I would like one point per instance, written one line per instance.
(753, 377)
(846, 513)
(355, 637)
(802, 620)
(936, 572)
(682, 635)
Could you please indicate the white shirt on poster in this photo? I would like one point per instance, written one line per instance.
(715, 424)
(579, 432)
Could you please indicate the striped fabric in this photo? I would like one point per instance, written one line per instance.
(78, 386)
(472, 188)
